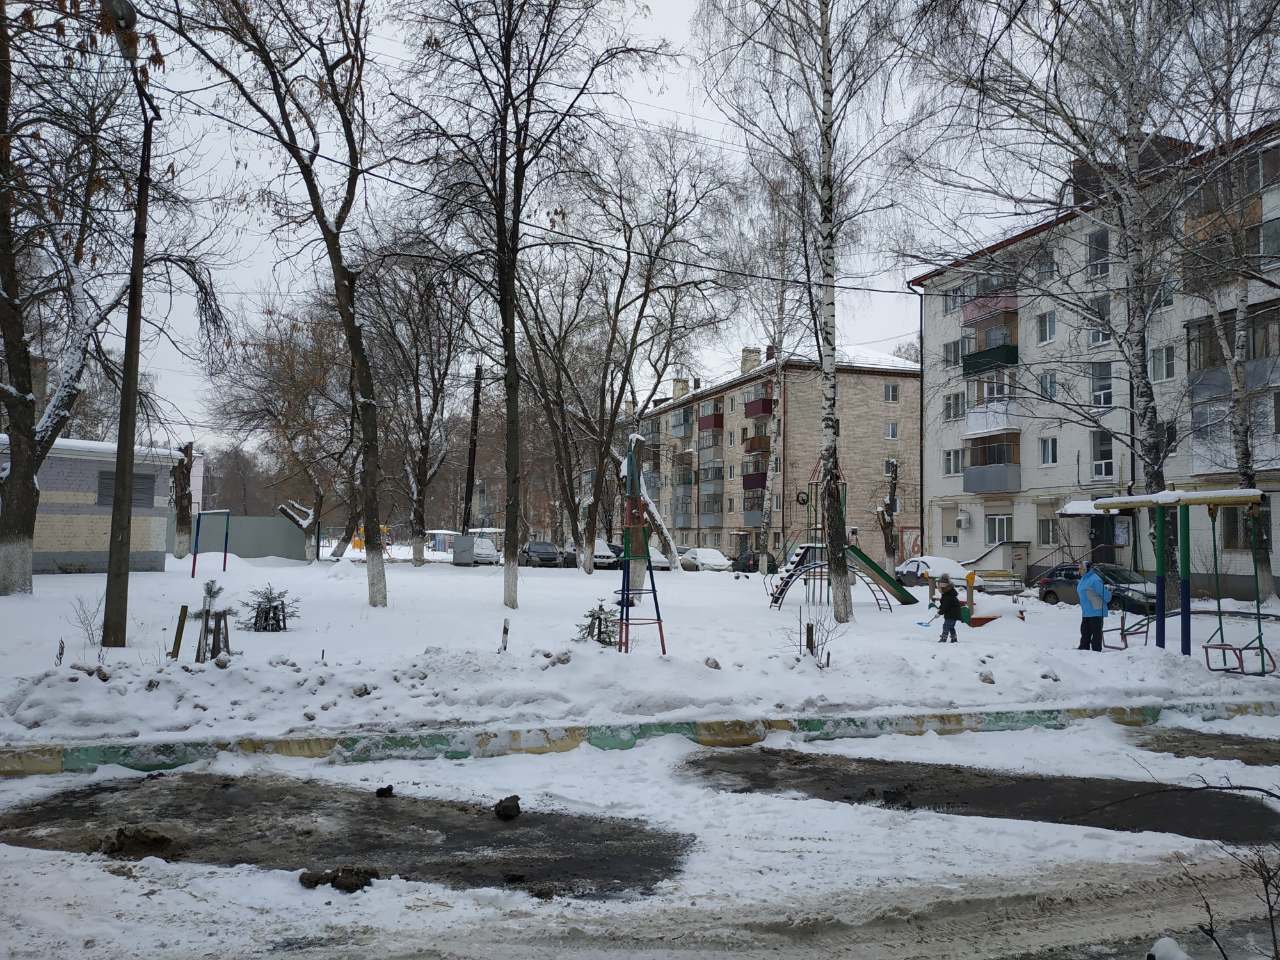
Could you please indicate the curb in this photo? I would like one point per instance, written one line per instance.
(463, 744)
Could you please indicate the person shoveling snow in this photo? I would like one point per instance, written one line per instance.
(949, 608)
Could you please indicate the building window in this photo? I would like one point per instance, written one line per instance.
(1046, 327)
(1275, 412)
(1237, 533)
(891, 429)
(143, 494)
(953, 462)
(953, 406)
(952, 352)
(1100, 320)
(1169, 440)
(1049, 386)
(744, 434)
(1161, 364)
(1104, 465)
(729, 505)
(729, 434)
(1099, 252)
(999, 528)
(731, 471)
(1100, 382)
(1047, 532)
(1048, 451)
(1164, 294)
(890, 393)
(888, 467)
(1046, 268)
(777, 501)
(731, 404)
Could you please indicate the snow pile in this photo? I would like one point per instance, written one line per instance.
(432, 659)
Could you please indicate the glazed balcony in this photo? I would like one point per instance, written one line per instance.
(980, 308)
(760, 407)
(1003, 355)
(757, 444)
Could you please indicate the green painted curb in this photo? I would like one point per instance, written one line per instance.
(458, 744)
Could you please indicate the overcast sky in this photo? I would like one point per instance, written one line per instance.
(259, 266)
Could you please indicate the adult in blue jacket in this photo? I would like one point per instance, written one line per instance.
(1095, 597)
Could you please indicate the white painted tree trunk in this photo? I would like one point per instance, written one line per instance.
(182, 543)
(377, 577)
(833, 510)
(15, 567)
(510, 580)
(419, 550)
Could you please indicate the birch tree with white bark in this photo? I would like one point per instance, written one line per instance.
(804, 81)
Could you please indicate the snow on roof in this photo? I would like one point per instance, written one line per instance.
(1079, 508)
(862, 357)
(1173, 498)
(104, 450)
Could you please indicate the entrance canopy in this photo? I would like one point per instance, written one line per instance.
(1080, 508)
(1180, 498)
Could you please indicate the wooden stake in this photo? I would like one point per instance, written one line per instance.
(808, 640)
(217, 636)
(177, 634)
(506, 626)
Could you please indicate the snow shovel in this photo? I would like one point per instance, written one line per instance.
(929, 622)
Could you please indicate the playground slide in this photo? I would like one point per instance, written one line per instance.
(887, 581)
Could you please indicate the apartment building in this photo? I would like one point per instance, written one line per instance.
(709, 451)
(1027, 400)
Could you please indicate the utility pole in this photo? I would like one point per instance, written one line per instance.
(115, 619)
(471, 451)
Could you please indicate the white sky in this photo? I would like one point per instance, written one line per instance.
(258, 265)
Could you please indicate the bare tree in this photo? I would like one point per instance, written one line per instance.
(799, 79)
(419, 310)
(67, 144)
(304, 73)
(605, 322)
(507, 88)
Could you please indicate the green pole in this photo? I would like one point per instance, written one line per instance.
(1255, 518)
(1161, 545)
(1184, 575)
(1217, 580)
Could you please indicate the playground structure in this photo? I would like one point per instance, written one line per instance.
(1233, 655)
(226, 538)
(635, 547)
(810, 568)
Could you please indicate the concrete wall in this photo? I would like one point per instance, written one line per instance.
(72, 531)
(250, 537)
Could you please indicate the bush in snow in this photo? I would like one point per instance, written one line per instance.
(600, 624)
(269, 610)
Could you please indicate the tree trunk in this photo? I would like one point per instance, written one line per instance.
(182, 502)
(511, 383)
(418, 512)
(366, 400)
(21, 497)
(471, 454)
(116, 617)
(349, 531)
(833, 510)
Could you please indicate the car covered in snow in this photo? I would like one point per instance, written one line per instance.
(603, 556)
(657, 558)
(705, 558)
(918, 571)
(485, 551)
(1129, 591)
(748, 560)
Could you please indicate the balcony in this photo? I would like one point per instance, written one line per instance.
(759, 407)
(755, 473)
(711, 421)
(756, 444)
(652, 480)
(682, 423)
(682, 521)
(1004, 355)
(753, 519)
(710, 519)
(650, 430)
(981, 307)
(993, 478)
(995, 416)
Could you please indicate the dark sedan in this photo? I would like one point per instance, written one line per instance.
(1129, 591)
(748, 560)
(539, 553)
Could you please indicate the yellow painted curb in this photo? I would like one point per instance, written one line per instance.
(23, 763)
(313, 748)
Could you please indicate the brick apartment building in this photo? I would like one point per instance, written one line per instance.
(709, 451)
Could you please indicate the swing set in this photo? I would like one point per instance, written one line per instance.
(1232, 655)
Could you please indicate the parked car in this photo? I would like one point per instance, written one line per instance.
(917, 571)
(748, 560)
(539, 553)
(705, 558)
(1129, 591)
(657, 559)
(604, 557)
(569, 555)
(485, 551)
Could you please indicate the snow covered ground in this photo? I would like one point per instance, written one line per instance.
(432, 657)
(760, 864)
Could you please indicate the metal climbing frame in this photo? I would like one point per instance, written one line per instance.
(635, 546)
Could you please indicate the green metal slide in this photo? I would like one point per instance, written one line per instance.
(887, 581)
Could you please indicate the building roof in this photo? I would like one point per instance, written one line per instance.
(853, 360)
(1260, 134)
(102, 450)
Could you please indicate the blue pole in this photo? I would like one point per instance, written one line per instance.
(1184, 574)
(195, 548)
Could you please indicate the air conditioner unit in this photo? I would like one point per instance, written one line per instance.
(962, 521)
